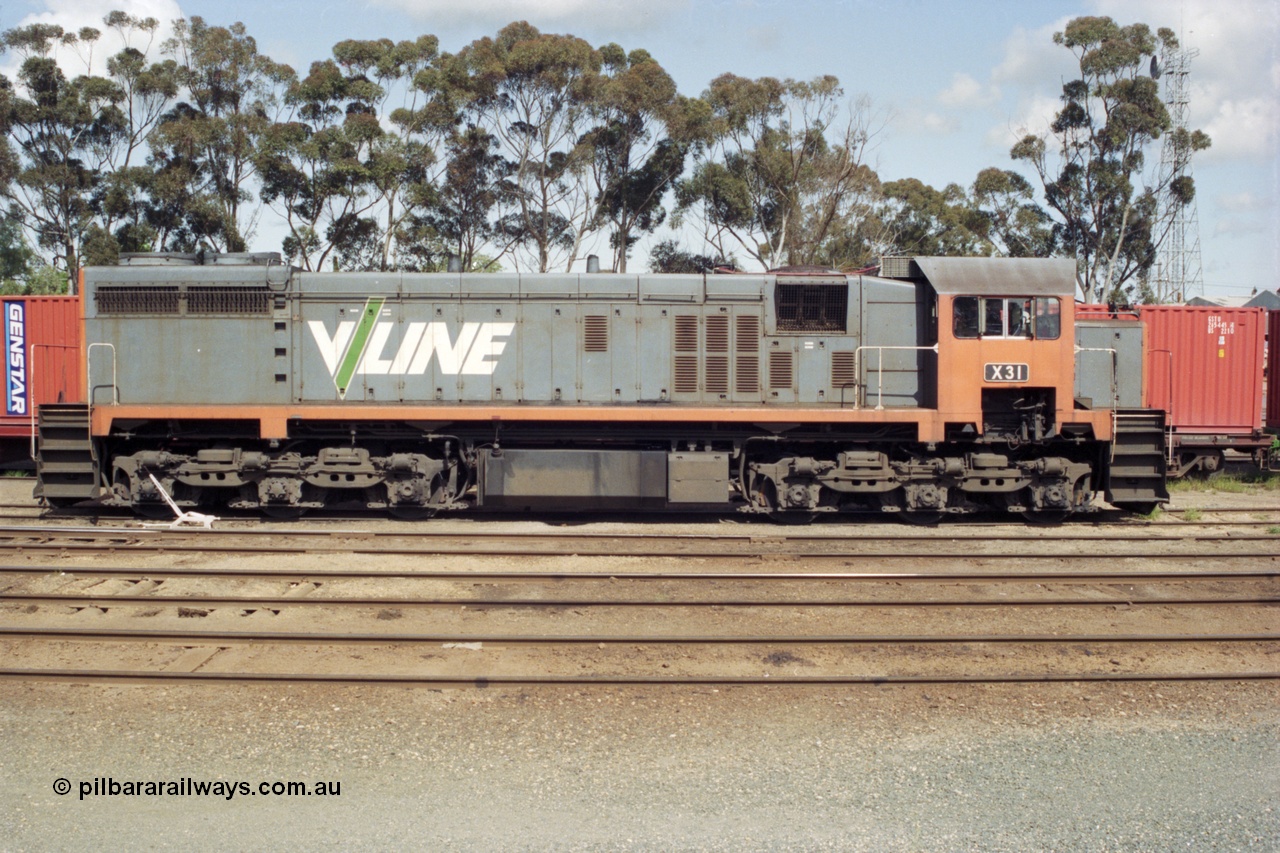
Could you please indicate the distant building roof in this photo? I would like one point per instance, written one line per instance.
(1269, 299)
(1217, 301)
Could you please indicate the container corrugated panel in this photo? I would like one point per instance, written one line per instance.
(1273, 369)
(42, 357)
(1205, 366)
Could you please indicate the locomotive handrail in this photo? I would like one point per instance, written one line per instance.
(115, 390)
(880, 369)
(31, 383)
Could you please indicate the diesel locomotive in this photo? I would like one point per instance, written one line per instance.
(938, 386)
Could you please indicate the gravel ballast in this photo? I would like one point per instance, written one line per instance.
(918, 767)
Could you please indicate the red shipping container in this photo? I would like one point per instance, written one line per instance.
(1205, 367)
(42, 358)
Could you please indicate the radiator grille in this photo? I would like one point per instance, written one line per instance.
(812, 307)
(780, 371)
(595, 334)
(136, 300)
(228, 300)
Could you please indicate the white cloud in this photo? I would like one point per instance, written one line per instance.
(1033, 115)
(1242, 129)
(1031, 59)
(1231, 226)
(580, 14)
(1244, 202)
(938, 125)
(967, 93)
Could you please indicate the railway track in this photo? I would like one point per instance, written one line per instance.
(709, 548)
(488, 605)
(465, 647)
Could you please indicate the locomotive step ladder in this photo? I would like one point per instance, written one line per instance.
(1137, 478)
(66, 467)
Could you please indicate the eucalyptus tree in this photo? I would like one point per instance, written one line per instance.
(1091, 161)
(404, 162)
(204, 149)
(1014, 225)
(61, 131)
(643, 130)
(530, 92)
(316, 170)
(149, 89)
(922, 220)
(785, 170)
(477, 182)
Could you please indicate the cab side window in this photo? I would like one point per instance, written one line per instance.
(965, 313)
(997, 316)
(1048, 318)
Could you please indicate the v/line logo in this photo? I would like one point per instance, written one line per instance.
(360, 347)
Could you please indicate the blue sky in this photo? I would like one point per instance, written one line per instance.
(956, 82)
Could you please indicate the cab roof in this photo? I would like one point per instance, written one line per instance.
(1000, 276)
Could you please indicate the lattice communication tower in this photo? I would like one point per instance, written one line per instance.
(1178, 274)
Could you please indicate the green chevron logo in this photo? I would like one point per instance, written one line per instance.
(355, 349)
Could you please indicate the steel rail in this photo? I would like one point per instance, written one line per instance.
(486, 681)
(282, 602)
(160, 634)
(535, 576)
(709, 554)
(11, 531)
(322, 514)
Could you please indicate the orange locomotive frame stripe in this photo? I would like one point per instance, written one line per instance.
(274, 420)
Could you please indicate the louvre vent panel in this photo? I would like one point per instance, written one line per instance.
(717, 334)
(136, 300)
(843, 374)
(686, 374)
(747, 377)
(228, 300)
(595, 333)
(780, 371)
(748, 335)
(686, 334)
(718, 374)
